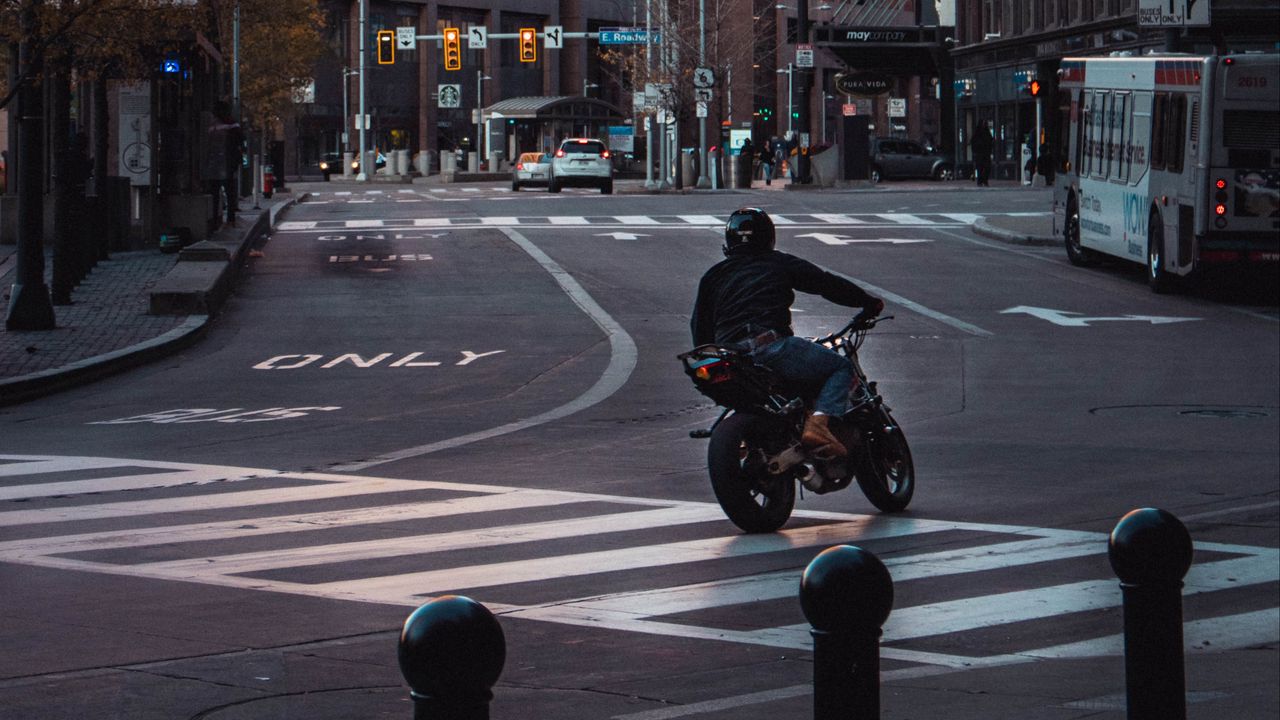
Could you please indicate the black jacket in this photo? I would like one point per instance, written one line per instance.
(747, 294)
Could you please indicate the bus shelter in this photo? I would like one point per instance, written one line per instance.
(532, 124)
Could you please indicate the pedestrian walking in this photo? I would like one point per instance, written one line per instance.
(221, 169)
(766, 161)
(981, 146)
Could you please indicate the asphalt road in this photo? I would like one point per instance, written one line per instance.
(419, 391)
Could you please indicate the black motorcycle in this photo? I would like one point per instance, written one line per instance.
(756, 457)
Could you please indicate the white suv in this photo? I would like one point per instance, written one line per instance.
(581, 162)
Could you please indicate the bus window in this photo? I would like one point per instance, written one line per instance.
(1065, 99)
(1158, 122)
(1082, 134)
(1139, 136)
(1099, 133)
(1176, 138)
(1119, 140)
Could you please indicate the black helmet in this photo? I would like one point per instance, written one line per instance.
(749, 230)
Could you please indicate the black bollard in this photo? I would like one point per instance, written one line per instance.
(451, 654)
(846, 595)
(1150, 551)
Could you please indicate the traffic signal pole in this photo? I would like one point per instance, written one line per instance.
(364, 15)
(806, 82)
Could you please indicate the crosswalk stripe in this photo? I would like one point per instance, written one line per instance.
(773, 586)
(701, 219)
(601, 561)
(837, 219)
(904, 219)
(568, 220)
(595, 523)
(636, 220)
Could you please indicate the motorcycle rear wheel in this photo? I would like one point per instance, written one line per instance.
(886, 473)
(752, 498)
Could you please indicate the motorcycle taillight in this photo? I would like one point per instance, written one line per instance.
(712, 371)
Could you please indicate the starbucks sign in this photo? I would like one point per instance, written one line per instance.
(862, 84)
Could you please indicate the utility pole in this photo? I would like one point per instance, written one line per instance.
(806, 80)
(703, 180)
(364, 165)
(30, 307)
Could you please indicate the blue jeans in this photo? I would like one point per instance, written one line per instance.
(813, 367)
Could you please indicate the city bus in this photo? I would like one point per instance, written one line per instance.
(1172, 161)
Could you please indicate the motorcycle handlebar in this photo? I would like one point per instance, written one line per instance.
(858, 323)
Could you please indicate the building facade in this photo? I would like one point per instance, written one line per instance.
(1006, 48)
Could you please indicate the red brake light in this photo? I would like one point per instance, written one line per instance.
(604, 154)
(560, 152)
(582, 142)
(519, 166)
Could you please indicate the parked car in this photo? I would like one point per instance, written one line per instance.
(531, 168)
(894, 158)
(581, 162)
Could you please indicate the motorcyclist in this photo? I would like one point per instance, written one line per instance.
(745, 300)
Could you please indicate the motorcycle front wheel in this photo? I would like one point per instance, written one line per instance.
(752, 498)
(886, 473)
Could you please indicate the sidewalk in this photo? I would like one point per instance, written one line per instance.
(109, 326)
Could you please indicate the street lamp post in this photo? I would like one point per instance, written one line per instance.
(806, 80)
(789, 72)
(587, 84)
(480, 78)
(703, 180)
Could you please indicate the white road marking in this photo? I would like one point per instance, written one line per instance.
(597, 549)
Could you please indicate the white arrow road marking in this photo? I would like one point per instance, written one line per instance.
(621, 235)
(1066, 318)
(831, 239)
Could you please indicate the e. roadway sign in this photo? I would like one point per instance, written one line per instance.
(627, 36)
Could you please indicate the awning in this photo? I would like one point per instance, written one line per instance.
(563, 107)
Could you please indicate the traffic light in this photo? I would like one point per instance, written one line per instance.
(1032, 88)
(386, 47)
(452, 49)
(528, 45)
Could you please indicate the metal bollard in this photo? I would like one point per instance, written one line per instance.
(846, 595)
(451, 654)
(1150, 551)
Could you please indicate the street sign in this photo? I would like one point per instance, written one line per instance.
(1173, 13)
(897, 107)
(449, 95)
(478, 37)
(702, 94)
(701, 109)
(554, 35)
(804, 55)
(849, 109)
(626, 36)
(704, 77)
(405, 38)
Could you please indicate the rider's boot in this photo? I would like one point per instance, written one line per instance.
(817, 436)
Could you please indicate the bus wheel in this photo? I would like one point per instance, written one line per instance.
(1078, 255)
(1160, 279)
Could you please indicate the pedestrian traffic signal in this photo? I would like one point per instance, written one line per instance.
(1032, 88)
(452, 49)
(528, 45)
(386, 47)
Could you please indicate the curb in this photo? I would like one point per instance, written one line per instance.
(46, 382)
(985, 229)
(193, 327)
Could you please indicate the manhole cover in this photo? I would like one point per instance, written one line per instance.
(1224, 413)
